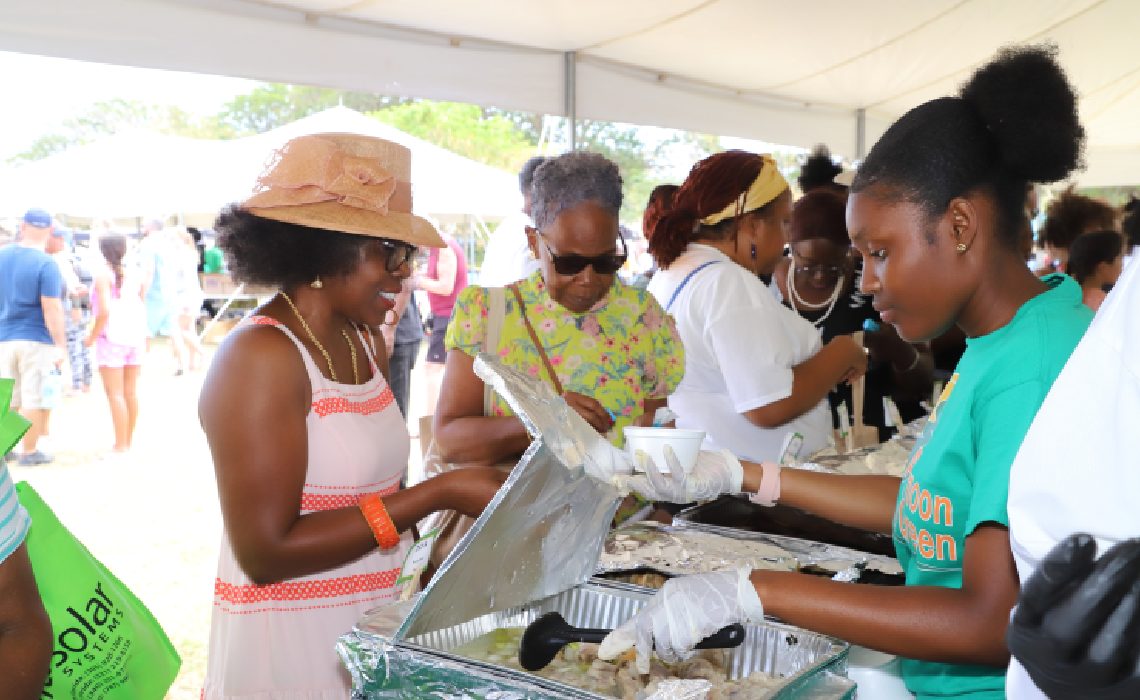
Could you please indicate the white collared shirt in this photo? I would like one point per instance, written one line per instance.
(740, 348)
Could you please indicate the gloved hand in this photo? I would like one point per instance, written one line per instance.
(606, 463)
(716, 472)
(1077, 625)
(685, 611)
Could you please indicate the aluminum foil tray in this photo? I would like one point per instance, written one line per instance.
(423, 666)
(850, 564)
(737, 513)
(678, 551)
(688, 548)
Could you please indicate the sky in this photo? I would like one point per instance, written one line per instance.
(42, 92)
(46, 91)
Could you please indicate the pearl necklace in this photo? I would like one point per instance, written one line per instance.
(325, 353)
(797, 300)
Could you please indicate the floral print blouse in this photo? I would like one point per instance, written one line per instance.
(621, 352)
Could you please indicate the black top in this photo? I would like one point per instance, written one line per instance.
(410, 328)
(847, 317)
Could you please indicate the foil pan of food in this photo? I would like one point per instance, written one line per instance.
(889, 458)
(533, 551)
(886, 459)
(738, 513)
(678, 551)
(479, 659)
(646, 554)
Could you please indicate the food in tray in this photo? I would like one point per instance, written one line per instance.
(890, 567)
(888, 458)
(647, 554)
(578, 665)
(645, 579)
(688, 552)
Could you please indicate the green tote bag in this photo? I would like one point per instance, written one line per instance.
(107, 645)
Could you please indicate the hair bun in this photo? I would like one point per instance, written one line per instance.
(1026, 102)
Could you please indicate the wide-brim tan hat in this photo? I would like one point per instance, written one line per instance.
(343, 182)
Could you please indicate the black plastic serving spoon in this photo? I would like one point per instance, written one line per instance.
(545, 636)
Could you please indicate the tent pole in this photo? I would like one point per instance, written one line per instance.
(570, 106)
(860, 133)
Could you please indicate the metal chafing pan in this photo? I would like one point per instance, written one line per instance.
(741, 514)
(713, 548)
(813, 665)
(533, 551)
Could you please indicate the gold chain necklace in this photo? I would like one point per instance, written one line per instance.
(325, 353)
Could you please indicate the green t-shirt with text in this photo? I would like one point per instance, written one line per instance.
(957, 477)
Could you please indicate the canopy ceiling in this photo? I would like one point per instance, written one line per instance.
(794, 73)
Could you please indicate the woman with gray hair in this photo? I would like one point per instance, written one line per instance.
(608, 349)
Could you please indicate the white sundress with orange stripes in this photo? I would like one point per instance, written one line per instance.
(278, 640)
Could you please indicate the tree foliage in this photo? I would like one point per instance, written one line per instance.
(273, 104)
(464, 129)
(497, 137)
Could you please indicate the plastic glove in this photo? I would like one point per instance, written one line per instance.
(716, 473)
(685, 611)
(606, 463)
(1077, 625)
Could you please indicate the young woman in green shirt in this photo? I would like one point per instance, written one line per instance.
(936, 211)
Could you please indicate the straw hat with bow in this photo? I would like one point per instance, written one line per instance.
(343, 182)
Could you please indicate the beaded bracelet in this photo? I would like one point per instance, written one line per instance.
(376, 515)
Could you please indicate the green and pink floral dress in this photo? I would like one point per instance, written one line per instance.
(621, 352)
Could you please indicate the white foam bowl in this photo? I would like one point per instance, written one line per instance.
(685, 443)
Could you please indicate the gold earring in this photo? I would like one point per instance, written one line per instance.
(961, 247)
(317, 283)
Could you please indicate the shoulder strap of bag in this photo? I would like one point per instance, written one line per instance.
(534, 338)
(685, 281)
(496, 303)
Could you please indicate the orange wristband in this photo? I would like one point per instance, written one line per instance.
(376, 515)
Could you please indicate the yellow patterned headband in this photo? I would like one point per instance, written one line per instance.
(768, 185)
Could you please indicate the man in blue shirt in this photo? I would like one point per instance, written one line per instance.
(33, 340)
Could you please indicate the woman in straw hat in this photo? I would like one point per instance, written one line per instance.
(307, 442)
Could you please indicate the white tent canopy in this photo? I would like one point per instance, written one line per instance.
(138, 174)
(794, 73)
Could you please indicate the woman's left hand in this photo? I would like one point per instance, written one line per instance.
(591, 410)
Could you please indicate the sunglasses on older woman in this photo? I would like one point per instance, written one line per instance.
(573, 264)
(399, 254)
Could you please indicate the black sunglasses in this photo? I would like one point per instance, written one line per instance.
(399, 254)
(573, 264)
